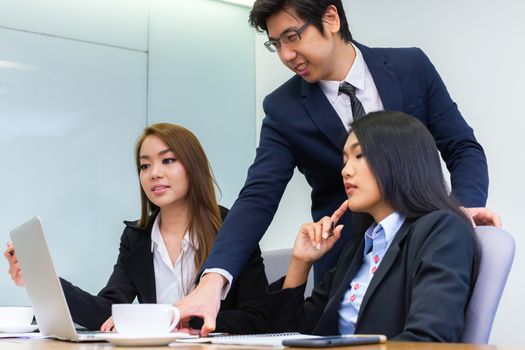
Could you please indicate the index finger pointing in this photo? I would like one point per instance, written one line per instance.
(336, 216)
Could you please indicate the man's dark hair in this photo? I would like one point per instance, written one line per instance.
(311, 11)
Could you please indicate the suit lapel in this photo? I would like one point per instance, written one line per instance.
(328, 323)
(384, 77)
(140, 269)
(384, 267)
(323, 114)
(344, 283)
(325, 117)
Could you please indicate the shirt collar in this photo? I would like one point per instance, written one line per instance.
(355, 77)
(156, 237)
(389, 227)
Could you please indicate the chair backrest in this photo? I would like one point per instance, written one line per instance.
(276, 265)
(496, 248)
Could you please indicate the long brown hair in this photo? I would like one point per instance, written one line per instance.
(204, 218)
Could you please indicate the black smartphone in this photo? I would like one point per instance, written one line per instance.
(337, 340)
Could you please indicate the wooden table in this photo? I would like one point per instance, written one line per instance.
(34, 344)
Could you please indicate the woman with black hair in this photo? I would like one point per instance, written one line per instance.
(408, 274)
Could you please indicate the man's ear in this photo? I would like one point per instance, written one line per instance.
(331, 20)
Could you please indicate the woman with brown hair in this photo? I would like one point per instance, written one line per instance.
(161, 253)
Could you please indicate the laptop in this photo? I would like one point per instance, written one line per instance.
(43, 286)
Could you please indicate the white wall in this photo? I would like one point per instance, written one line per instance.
(121, 23)
(477, 48)
(201, 75)
(79, 80)
(72, 101)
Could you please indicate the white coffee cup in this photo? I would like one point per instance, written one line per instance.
(16, 316)
(145, 319)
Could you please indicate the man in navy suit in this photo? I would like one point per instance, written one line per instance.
(306, 125)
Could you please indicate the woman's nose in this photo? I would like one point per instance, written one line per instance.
(156, 171)
(348, 170)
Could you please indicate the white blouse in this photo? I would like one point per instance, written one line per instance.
(172, 282)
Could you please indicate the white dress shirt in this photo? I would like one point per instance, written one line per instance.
(172, 281)
(366, 91)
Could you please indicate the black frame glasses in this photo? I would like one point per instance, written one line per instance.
(288, 37)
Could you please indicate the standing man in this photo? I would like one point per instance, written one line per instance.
(307, 121)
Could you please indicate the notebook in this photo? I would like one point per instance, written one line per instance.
(43, 286)
(270, 339)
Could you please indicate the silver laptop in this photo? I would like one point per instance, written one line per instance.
(43, 286)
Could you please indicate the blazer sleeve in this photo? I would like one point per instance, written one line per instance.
(440, 281)
(290, 312)
(463, 155)
(91, 311)
(253, 211)
(244, 311)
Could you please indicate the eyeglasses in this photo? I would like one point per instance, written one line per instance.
(290, 36)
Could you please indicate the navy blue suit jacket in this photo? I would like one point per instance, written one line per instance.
(301, 129)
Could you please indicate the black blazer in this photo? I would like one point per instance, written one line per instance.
(243, 310)
(418, 293)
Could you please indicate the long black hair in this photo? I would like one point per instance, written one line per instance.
(403, 157)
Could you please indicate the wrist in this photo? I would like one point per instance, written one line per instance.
(299, 264)
(213, 281)
(297, 273)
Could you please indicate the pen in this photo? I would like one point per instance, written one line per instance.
(331, 231)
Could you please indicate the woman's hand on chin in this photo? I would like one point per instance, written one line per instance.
(312, 242)
(316, 238)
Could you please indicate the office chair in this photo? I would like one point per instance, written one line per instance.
(276, 265)
(496, 248)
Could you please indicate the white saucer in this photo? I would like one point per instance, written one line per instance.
(18, 329)
(144, 340)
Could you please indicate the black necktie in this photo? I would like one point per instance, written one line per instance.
(357, 108)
